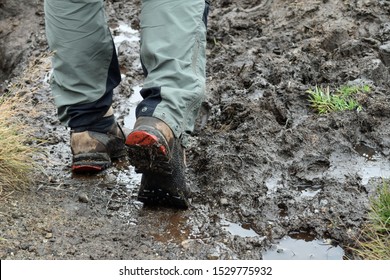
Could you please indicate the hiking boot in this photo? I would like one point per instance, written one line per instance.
(154, 151)
(93, 151)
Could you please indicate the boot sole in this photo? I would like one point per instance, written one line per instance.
(161, 184)
(147, 154)
(159, 197)
(85, 168)
(90, 163)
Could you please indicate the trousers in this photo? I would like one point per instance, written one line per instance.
(86, 70)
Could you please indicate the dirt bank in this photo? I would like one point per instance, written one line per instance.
(264, 168)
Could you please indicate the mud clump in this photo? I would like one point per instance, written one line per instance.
(261, 160)
(20, 25)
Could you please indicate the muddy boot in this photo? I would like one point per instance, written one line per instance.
(155, 152)
(92, 151)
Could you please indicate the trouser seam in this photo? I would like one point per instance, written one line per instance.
(196, 62)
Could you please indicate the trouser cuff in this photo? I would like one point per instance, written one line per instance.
(103, 125)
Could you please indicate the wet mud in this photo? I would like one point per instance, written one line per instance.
(271, 178)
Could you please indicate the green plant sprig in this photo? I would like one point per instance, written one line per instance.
(324, 101)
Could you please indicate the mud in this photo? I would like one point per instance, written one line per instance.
(271, 179)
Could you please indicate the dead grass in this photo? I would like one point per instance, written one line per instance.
(373, 245)
(16, 154)
(19, 152)
(374, 240)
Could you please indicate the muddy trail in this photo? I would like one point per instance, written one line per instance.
(271, 178)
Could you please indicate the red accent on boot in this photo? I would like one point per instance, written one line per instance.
(145, 139)
(86, 168)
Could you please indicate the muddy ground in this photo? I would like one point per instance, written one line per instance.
(264, 168)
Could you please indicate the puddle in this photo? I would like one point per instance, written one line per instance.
(289, 248)
(309, 191)
(124, 33)
(131, 104)
(276, 181)
(366, 163)
(374, 171)
(242, 230)
(168, 226)
(128, 178)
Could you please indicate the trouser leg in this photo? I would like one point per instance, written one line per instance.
(85, 65)
(173, 42)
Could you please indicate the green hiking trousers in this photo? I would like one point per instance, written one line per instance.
(86, 70)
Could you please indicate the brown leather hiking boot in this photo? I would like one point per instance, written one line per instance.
(154, 151)
(92, 151)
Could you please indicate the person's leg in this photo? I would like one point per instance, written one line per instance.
(85, 72)
(173, 42)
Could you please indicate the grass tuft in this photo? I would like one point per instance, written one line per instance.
(20, 150)
(344, 98)
(374, 241)
(16, 155)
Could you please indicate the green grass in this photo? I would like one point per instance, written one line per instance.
(344, 98)
(380, 214)
(374, 241)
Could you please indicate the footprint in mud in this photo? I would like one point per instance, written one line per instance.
(309, 167)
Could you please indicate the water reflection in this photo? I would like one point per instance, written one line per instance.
(289, 248)
(241, 230)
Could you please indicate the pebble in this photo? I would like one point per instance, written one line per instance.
(224, 201)
(213, 257)
(186, 244)
(83, 198)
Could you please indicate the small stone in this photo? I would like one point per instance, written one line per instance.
(83, 198)
(213, 257)
(224, 201)
(186, 244)
(49, 235)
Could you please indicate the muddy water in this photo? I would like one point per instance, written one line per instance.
(298, 249)
(366, 163)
